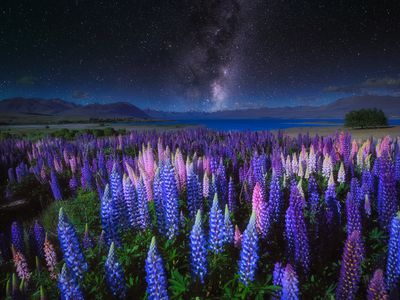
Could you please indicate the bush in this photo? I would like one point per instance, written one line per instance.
(366, 118)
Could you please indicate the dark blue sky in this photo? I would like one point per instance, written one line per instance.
(180, 55)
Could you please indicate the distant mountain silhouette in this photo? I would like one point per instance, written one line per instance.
(337, 109)
(34, 106)
(37, 107)
(110, 110)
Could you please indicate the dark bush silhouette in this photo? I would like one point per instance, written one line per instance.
(366, 118)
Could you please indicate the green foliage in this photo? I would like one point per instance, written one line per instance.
(366, 118)
(85, 208)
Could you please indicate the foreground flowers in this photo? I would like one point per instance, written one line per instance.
(155, 274)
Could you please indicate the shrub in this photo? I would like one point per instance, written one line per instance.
(366, 118)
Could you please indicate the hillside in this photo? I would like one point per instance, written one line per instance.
(37, 110)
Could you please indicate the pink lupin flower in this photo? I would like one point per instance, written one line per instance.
(50, 257)
(354, 149)
(237, 239)
(180, 167)
(21, 265)
(260, 208)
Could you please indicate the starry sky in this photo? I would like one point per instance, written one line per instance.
(199, 54)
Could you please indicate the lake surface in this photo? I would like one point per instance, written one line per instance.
(256, 124)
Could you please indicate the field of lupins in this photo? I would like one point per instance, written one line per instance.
(199, 214)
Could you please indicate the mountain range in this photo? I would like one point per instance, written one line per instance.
(334, 110)
(24, 110)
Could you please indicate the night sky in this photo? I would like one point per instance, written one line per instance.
(208, 55)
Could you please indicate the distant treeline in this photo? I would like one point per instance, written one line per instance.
(366, 118)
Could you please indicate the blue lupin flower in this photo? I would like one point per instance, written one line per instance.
(231, 195)
(393, 259)
(249, 252)
(170, 199)
(130, 201)
(332, 204)
(111, 233)
(387, 192)
(198, 250)
(229, 230)
(290, 284)
(87, 240)
(68, 286)
(17, 237)
(70, 247)
(155, 274)
(353, 214)
(313, 195)
(158, 203)
(55, 186)
(193, 192)
(275, 197)
(296, 231)
(119, 212)
(216, 235)
(115, 275)
(277, 276)
(143, 217)
(39, 235)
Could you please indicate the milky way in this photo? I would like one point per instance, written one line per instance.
(208, 66)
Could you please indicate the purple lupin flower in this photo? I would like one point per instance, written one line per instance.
(387, 192)
(70, 246)
(155, 274)
(143, 217)
(275, 197)
(249, 252)
(216, 235)
(296, 231)
(377, 288)
(353, 214)
(119, 212)
(86, 178)
(198, 250)
(68, 285)
(290, 284)
(231, 195)
(170, 199)
(393, 258)
(193, 192)
(130, 201)
(55, 186)
(115, 275)
(350, 271)
(277, 276)
(17, 237)
(87, 240)
(158, 203)
(313, 195)
(332, 204)
(38, 238)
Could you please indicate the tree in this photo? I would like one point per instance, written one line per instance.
(366, 118)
